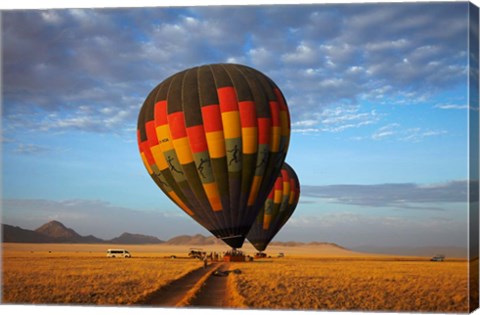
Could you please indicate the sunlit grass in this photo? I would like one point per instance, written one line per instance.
(83, 278)
(350, 284)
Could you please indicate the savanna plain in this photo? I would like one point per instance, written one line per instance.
(318, 277)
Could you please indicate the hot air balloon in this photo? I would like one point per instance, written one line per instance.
(214, 138)
(278, 208)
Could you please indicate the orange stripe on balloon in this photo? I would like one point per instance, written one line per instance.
(279, 184)
(147, 152)
(211, 190)
(159, 157)
(292, 197)
(275, 113)
(151, 133)
(144, 159)
(180, 203)
(176, 121)
(257, 180)
(266, 221)
(227, 99)
(283, 108)
(264, 130)
(160, 113)
(216, 144)
(248, 116)
(196, 137)
(212, 118)
(284, 175)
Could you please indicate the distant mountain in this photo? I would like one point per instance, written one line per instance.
(197, 239)
(128, 238)
(56, 232)
(61, 234)
(15, 234)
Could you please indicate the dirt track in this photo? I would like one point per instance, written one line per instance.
(198, 288)
(214, 292)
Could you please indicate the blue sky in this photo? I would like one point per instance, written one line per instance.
(377, 94)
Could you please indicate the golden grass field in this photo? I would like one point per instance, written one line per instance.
(81, 274)
(316, 277)
(351, 284)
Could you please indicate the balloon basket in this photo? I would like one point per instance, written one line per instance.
(234, 256)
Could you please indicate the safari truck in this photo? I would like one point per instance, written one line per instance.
(438, 257)
(112, 253)
(197, 253)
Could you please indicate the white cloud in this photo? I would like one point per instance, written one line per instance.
(304, 53)
(401, 195)
(398, 132)
(387, 45)
(385, 131)
(451, 106)
(51, 17)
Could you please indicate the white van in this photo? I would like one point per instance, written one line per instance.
(112, 253)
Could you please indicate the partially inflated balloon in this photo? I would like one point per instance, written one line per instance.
(214, 139)
(279, 207)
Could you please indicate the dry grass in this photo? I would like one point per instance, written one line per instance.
(85, 277)
(307, 278)
(354, 284)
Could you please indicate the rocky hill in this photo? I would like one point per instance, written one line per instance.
(128, 238)
(61, 234)
(56, 232)
(197, 239)
(15, 234)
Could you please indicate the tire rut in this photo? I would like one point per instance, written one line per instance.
(214, 293)
(182, 290)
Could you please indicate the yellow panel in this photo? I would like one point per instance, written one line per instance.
(159, 157)
(216, 144)
(211, 190)
(231, 124)
(179, 202)
(182, 148)
(277, 196)
(286, 188)
(164, 137)
(257, 180)
(249, 140)
(275, 142)
(284, 123)
(266, 221)
(144, 159)
(292, 196)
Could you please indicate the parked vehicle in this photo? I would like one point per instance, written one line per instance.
(113, 253)
(197, 253)
(439, 257)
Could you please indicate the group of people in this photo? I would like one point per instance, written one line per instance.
(213, 256)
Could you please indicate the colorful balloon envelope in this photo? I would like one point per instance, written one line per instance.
(214, 139)
(278, 208)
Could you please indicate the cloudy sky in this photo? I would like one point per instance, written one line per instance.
(377, 95)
